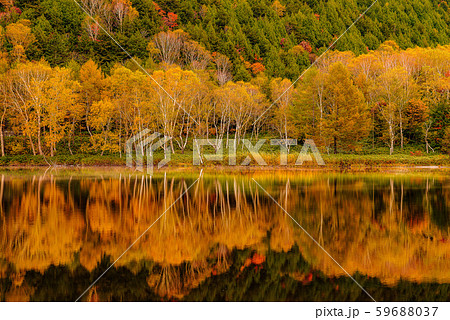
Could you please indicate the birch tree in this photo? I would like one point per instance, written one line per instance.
(26, 87)
(388, 90)
(282, 93)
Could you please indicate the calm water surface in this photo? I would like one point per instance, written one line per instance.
(225, 239)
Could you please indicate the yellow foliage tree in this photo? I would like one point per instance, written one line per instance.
(20, 36)
(347, 120)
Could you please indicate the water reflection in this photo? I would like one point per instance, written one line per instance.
(386, 227)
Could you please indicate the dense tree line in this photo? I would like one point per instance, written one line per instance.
(346, 103)
(252, 33)
(66, 87)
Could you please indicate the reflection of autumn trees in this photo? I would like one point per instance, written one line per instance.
(380, 228)
(215, 211)
(119, 210)
(41, 226)
(387, 227)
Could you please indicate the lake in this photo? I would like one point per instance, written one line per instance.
(223, 237)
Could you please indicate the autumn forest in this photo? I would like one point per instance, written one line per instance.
(390, 94)
(367, 82)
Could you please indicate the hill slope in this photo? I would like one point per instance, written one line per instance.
(247, 31)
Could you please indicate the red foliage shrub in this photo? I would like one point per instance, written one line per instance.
(306, 46)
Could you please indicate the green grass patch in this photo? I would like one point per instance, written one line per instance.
(270, 158)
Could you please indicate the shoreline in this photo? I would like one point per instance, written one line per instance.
(183, 162)
(271, 158)
(235, 169)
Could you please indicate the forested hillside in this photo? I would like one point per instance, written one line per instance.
(254, 34)
(66, 86)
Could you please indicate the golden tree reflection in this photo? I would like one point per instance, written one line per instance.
(41, 227)
(382, 226)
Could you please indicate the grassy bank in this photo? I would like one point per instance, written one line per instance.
(351, 161)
